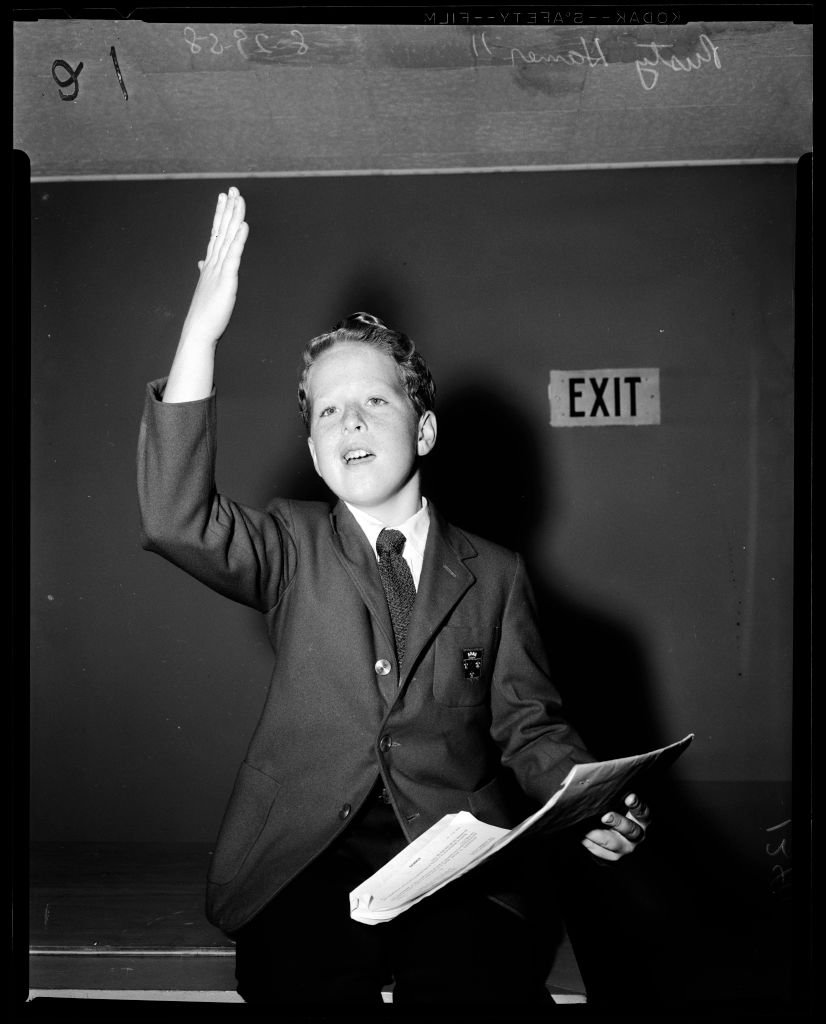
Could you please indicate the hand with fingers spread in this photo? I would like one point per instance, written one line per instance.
(623, 832)
(212, 303)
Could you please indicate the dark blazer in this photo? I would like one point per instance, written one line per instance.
(445, 733)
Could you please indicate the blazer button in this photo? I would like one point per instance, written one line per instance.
(385, 743)
(382, 667)
(345, 812)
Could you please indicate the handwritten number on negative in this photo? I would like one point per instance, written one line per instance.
(71, 80)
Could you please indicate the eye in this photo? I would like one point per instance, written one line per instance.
(327, 411)
(375, 400)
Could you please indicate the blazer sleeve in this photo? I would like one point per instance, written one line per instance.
(538, 745)
(243, 553)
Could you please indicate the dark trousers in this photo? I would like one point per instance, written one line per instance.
(455, 950)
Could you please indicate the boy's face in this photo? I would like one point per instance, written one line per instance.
(365, 435)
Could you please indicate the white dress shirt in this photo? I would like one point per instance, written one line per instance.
(414, 529)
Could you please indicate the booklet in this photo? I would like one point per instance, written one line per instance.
(459, 842)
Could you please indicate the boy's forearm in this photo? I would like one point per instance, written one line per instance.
(192, 374)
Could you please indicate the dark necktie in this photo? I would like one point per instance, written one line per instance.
(398, 584)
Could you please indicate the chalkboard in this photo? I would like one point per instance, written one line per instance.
(662, 554)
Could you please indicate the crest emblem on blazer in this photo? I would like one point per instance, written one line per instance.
(472, 662)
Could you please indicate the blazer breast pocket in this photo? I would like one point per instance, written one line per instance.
(463, 665)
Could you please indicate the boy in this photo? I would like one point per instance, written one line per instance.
(409, 679)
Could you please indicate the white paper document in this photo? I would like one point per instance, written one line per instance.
(459, 842)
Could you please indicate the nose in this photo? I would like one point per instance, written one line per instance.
(353, 419)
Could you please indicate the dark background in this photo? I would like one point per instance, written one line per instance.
(662, 556)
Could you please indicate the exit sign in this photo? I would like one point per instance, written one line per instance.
(603, 398)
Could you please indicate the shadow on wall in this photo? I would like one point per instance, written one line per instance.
(682, 923)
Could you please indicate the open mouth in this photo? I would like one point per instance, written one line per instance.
(356, 456)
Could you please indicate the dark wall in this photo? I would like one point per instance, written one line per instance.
(662, 555)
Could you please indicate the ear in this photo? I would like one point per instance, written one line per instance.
(427, 433)
(313, 455)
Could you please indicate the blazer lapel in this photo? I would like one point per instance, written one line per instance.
(353, 551)
(445, 579)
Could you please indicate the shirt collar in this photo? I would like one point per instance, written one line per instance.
(414, 529)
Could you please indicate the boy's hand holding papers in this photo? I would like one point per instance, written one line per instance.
(459, 842)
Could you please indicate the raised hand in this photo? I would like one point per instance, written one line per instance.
(214, 298)
(190, 378)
